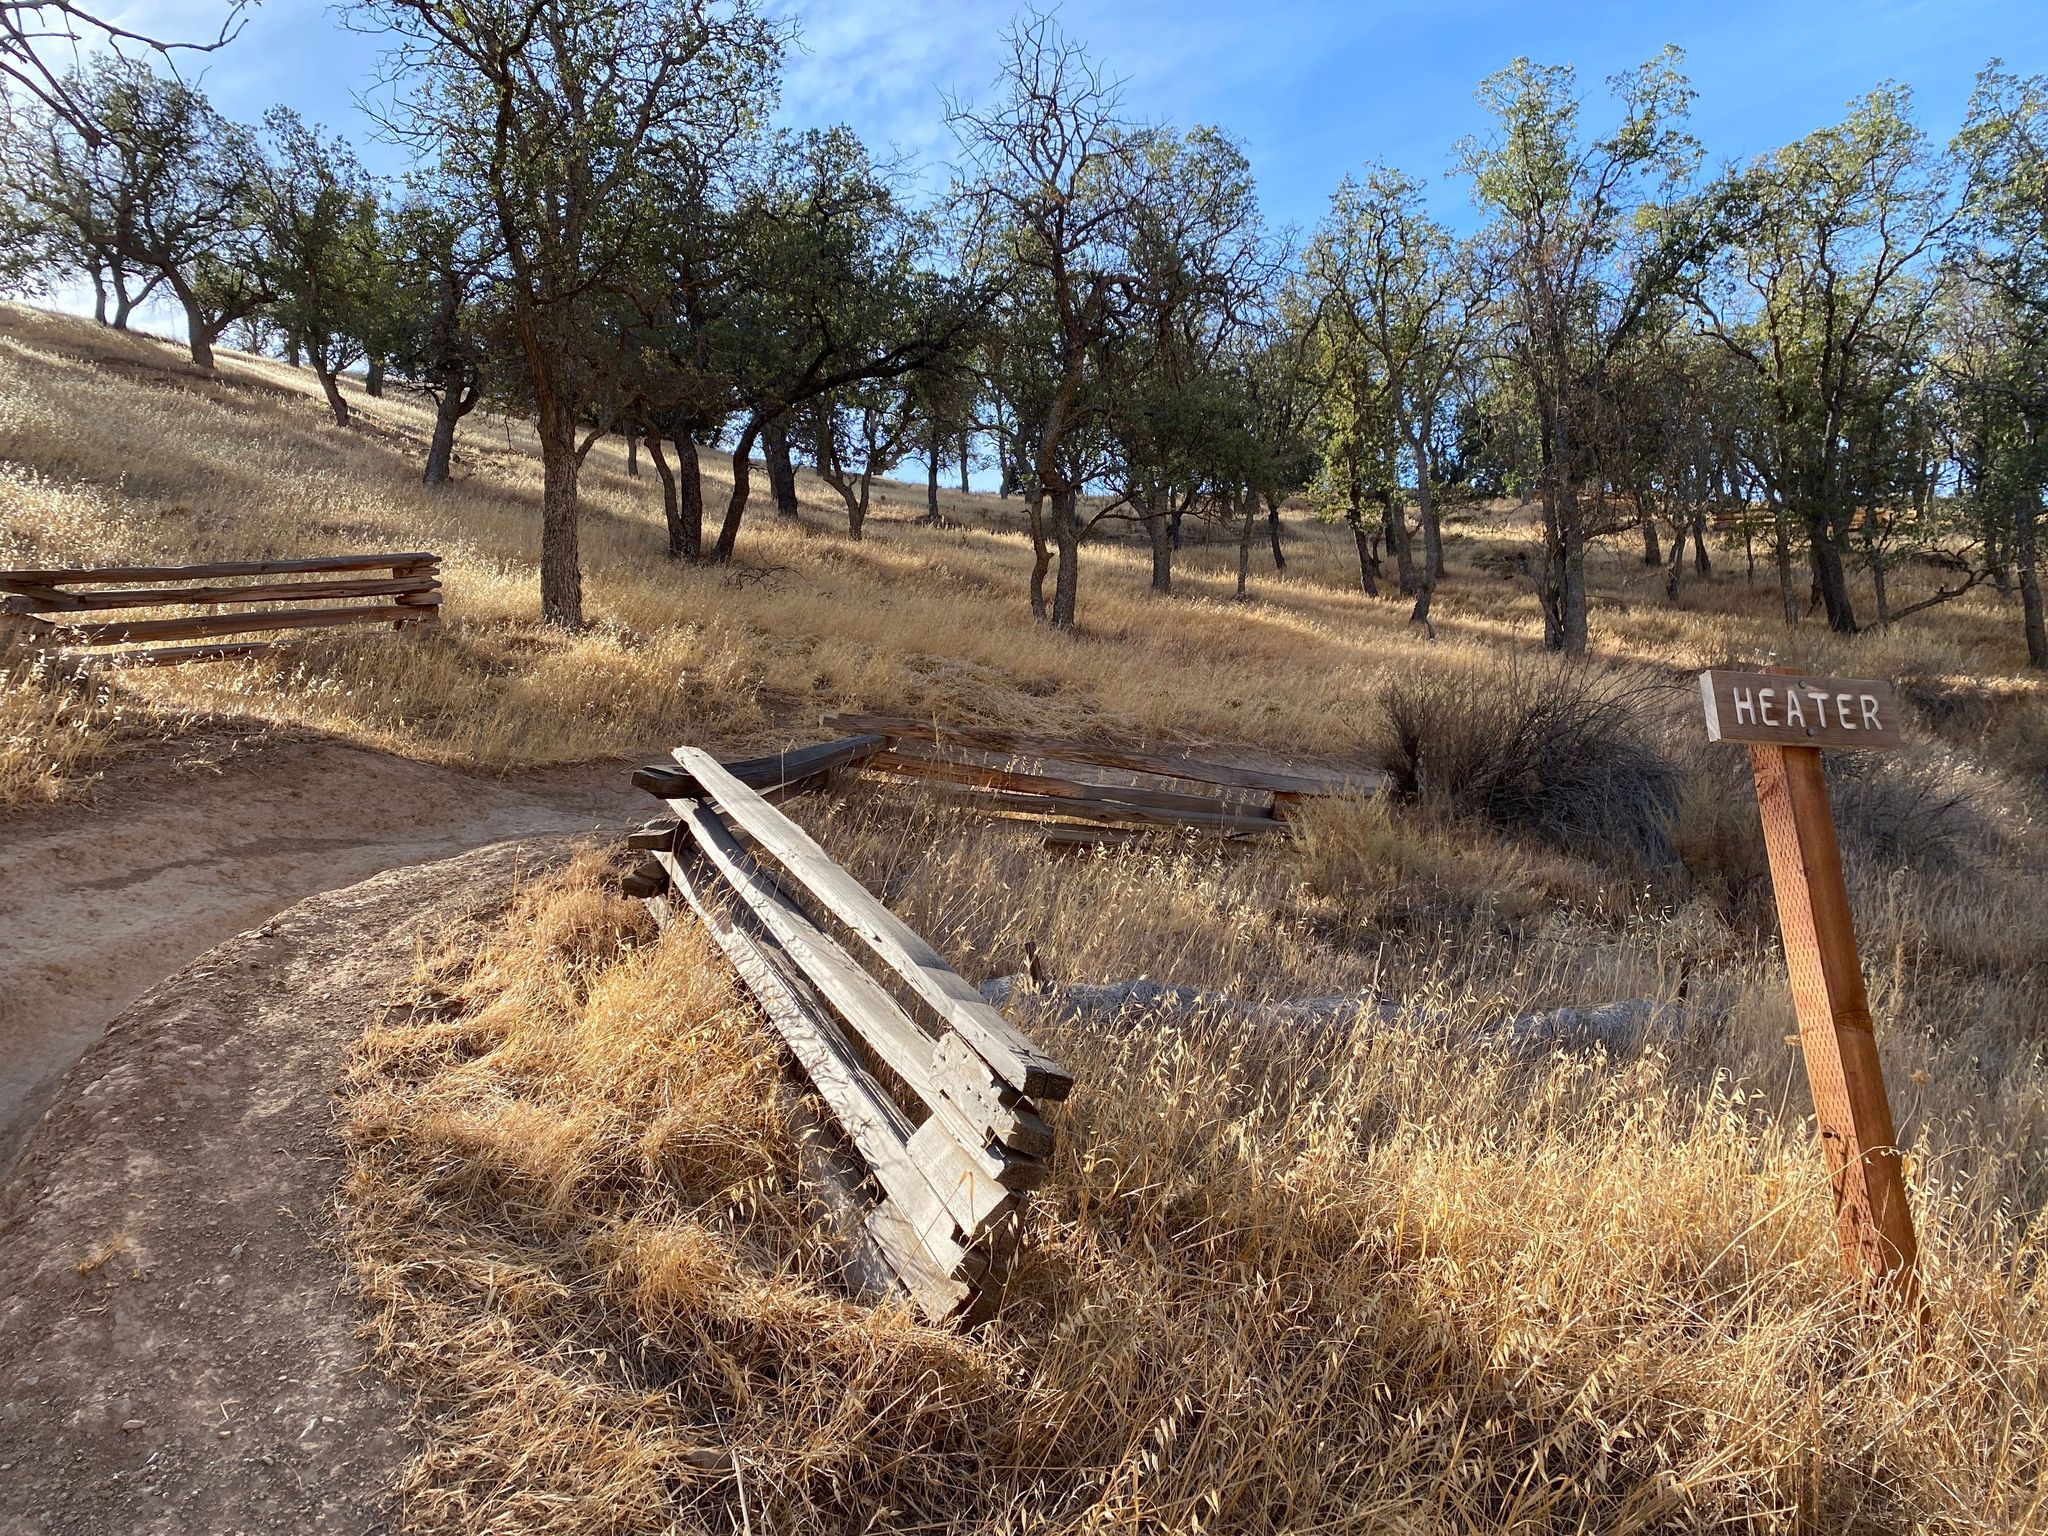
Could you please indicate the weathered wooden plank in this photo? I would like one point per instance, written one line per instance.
(1013, 1057)
(1018, 803)
(959, 1180)
(1799, 711)
(918, 762)
(1060, 837)
(779, 768)
(654, 835)
(261, 592)
(74, 576)
(205, 626)
(866, 1006)
(646, 879)
(936, 1294)
(878, 1130)
(177, 655)
(1010, 1117)
(1359, 781)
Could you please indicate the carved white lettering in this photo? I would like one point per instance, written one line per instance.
(1842, 702)
(1765, 697)
(1820, 703)
(1795, 713)
(1870, 712)
(1745, 706)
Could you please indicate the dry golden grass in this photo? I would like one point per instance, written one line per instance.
(1355, 1280)
(111, 449)
(1386, 1280)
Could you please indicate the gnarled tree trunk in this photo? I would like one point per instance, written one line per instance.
(561, 570)
(1066, 533)
(781, 472)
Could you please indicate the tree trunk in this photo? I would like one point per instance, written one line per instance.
(1157, 529)
(199, 334)
(1273, 530)
(1782, 552)
(1432, 534)
(931, 487)
(1564, 570)
(1877, 571)
(857, 508)
(99, 299)
(966, 442)
(671, 508)
(1066, 532)
(1041, 552)
(1702, 562)
(742, 484)
(1244, 544)
(1395, 521)
(291, 351)
(632, 455)
(689, 537)
(331, 388)
(1173, 525)
(561, 570)
(448, 410)
(1677, 570)
(1653, 551)
(1830, 577)
(2026, 564)
(1368, 578)
(373, 378)
(781, 473)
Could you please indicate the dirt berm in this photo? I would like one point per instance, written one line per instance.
(177, 1337)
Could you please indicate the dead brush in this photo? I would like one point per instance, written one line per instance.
(1566, 749)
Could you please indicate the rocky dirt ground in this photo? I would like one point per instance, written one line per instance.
(178, 1340)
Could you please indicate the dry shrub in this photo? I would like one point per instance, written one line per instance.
(1563, 748)
(1278, 1282)
(1927, 808)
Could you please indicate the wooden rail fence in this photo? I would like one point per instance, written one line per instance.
(53, 609)
(1079, 793)
(943, 1115)
(1088, 793)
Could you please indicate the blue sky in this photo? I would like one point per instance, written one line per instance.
(1310, 88)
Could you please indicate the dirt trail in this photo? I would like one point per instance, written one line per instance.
(99, 902)
(180, 1349)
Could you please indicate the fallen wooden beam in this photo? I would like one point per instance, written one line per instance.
(778, 769)
(414, 560)
(177, 655)
(1363, 781)
(1013, 1058)
(922, 762)
(963, 1101)
(206, 626)
(61, 601)
(874, 1125)
(1109, 812)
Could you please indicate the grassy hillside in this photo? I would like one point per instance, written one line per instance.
(1361, 1280)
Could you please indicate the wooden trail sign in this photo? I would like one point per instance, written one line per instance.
(1786, 719)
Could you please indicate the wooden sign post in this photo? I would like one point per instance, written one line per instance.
(1786, 720)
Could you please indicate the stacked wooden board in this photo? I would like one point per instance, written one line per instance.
(1086, 792)
(57, 609)
(936, 1092)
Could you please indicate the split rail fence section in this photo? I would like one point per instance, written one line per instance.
(58, 610)
(944, 1118)
(1087, 793)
